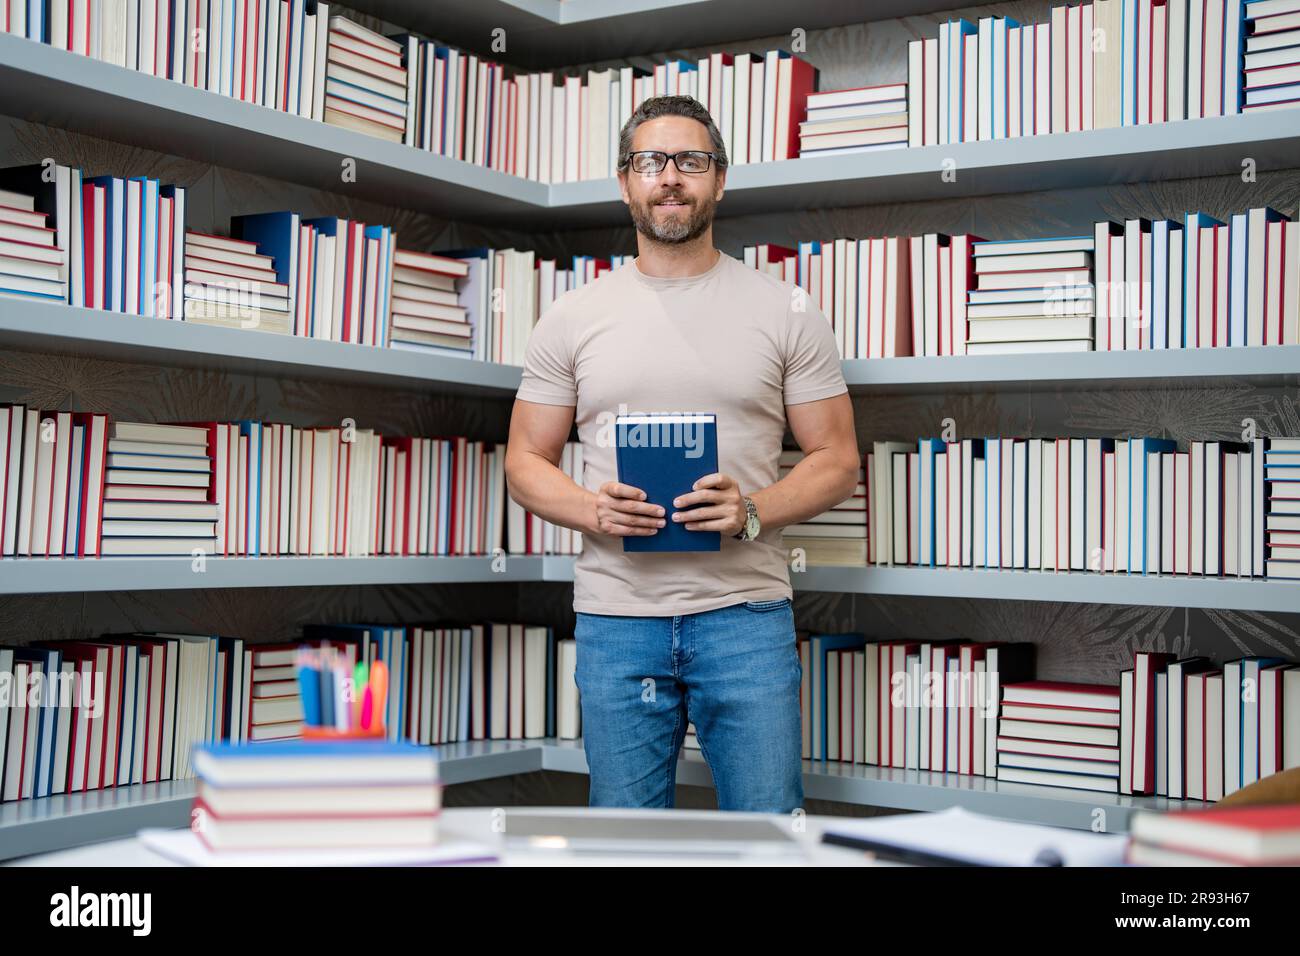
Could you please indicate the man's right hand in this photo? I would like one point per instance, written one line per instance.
(622, 510)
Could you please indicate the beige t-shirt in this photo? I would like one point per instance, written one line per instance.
(731, 341)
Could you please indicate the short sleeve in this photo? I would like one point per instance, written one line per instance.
(812, 358)
(548, 363)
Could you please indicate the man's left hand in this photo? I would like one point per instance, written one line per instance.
(715, 504)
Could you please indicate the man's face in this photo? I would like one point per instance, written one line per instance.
(671, 206)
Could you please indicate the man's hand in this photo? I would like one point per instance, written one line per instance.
(622, 510)
(716, 505)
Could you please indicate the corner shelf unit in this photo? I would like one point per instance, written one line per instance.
(54, 823)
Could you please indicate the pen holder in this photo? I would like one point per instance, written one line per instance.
(312, 732)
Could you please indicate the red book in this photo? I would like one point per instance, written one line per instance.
(1267, 834)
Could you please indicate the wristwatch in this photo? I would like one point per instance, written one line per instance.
(752, 525)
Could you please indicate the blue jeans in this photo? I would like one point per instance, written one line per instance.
(734, 672)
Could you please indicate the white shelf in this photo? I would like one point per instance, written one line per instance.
(1180, 368)
(56, 327)
(62, 575)
(53, 823)
(55, 87)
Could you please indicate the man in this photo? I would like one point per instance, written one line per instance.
(707, 637)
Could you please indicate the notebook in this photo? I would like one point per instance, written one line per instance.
(664, 455)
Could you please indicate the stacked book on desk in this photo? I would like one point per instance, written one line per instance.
(1031, 295)
(228, 282)
(310, 795)
(865, 119)
(365, 81)
(1272, 55)
(1060, 735)
(1249, 835)
(427, 313)
(32, 264)
(836, 536)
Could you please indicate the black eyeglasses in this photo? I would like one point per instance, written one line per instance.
(687, 161)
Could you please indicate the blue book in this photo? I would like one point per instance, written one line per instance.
(664, 455)
(821, 644)
(928, 449)
(253, 503)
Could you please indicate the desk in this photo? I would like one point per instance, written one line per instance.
(476, 824)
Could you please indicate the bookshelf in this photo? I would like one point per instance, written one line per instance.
(55, 823)
(42, 84)
(77, 93)
(54, 327)
(559, 33)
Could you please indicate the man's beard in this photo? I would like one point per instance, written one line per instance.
(677, 228)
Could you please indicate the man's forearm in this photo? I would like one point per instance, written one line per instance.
(546, 491)
(819, 482)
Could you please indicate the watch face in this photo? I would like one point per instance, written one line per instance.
(751, 526)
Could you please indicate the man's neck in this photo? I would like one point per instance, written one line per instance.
(668, 263)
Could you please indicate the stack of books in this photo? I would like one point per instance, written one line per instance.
(1060, 735)
(837, 536)
(1272, 55)
(228, 282)
(365, 81)
(1267, 835)
(427, 313)
(311, 795)
(155, 467)
(1282, 501)
(32, 265)
(859, 120)
(1031, 295)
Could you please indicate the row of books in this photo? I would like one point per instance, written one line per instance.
(272, 54)
(1199, 283)
(1180, 728)
(1093, 65)
(1129, 506)
(124, 709)
(562, 128)
(75, 484)
(296, 57)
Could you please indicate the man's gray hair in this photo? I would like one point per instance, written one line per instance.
(657, 106)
